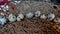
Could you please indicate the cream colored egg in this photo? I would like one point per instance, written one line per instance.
(2, 20)
(12, 18)
(43, 16)
(37, 13)
(29, 15)
(57, 20)
(19, 17)
(51, 16)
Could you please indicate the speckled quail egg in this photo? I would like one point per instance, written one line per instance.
(57, 20)
(12, 18)
(43, 16)
(2, 20)
(19, 17)
(37, 13)
(51, 16)
(29, 15)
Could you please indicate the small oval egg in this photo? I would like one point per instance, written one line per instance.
(37, 13)
(12, 18)
(43, 16)
(19, 17)
(29, 15)
(57, 20)
(2, 20)
(51, 16)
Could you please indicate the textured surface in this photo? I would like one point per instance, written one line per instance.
(34, 25)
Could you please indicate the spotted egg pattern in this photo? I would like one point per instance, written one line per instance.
(29, 15)
(3, 20)
(51, 16)
(12, 18)
(37, 13)
(19, 17)
(43, 16)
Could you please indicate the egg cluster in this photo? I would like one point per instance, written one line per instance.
(12, 18)
(20, 16)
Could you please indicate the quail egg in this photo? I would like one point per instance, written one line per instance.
(37, 13)
(19, 17)
(43, 16)
(29, 15)
(57, 20)
(51, 16)
(2, 20)
(12, 18)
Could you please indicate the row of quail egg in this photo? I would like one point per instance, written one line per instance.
(50, 16)
(20, 16)
(13, 18)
